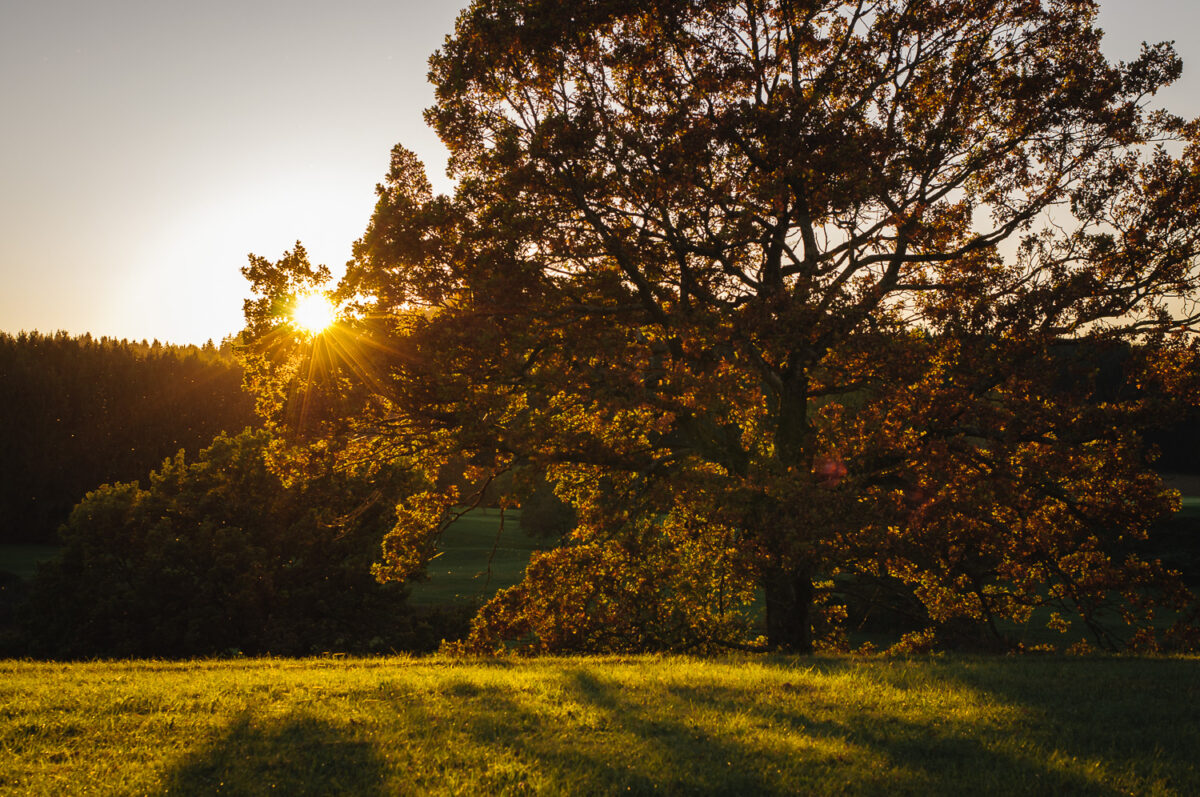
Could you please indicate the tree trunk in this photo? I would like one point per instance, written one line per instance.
(789, 593)
(788, 586)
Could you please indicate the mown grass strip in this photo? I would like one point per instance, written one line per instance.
(476, 558)
(22, 560)
(602, 725)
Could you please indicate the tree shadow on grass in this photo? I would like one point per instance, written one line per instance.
(292, 756)
(681, 755)
(711, 739)
(592, 742)
(780, 746)
(1141, 715)
(877, 750)
(508, 745)
(605, 737)
(931, 728)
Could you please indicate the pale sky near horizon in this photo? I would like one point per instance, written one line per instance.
(147, 146)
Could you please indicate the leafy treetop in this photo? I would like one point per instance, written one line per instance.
(800, 296)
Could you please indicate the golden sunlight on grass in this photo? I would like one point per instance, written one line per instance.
(603, 725)
(313, 313)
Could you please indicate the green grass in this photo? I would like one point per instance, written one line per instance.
(603, 725)
(1190, 507)
(475, 559)
(22, 560)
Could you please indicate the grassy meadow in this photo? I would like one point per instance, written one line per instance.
(603, 725)
(22, 560)
(475, 559)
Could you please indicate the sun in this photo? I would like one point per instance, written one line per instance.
(313, 313)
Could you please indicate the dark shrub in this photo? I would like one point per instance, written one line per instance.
(218, 556)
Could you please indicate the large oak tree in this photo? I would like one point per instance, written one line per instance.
(787, 296)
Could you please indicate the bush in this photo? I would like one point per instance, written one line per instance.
(218, 556)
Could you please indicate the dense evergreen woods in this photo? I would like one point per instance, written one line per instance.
(77, 412)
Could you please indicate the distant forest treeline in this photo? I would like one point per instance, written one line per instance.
(77, 412)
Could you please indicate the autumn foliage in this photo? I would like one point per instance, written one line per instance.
(784, 298)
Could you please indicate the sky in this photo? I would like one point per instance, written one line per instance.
(148, 146)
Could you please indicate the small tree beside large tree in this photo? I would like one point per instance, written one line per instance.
(779, 296)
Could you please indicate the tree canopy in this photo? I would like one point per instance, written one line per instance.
(784, 296)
